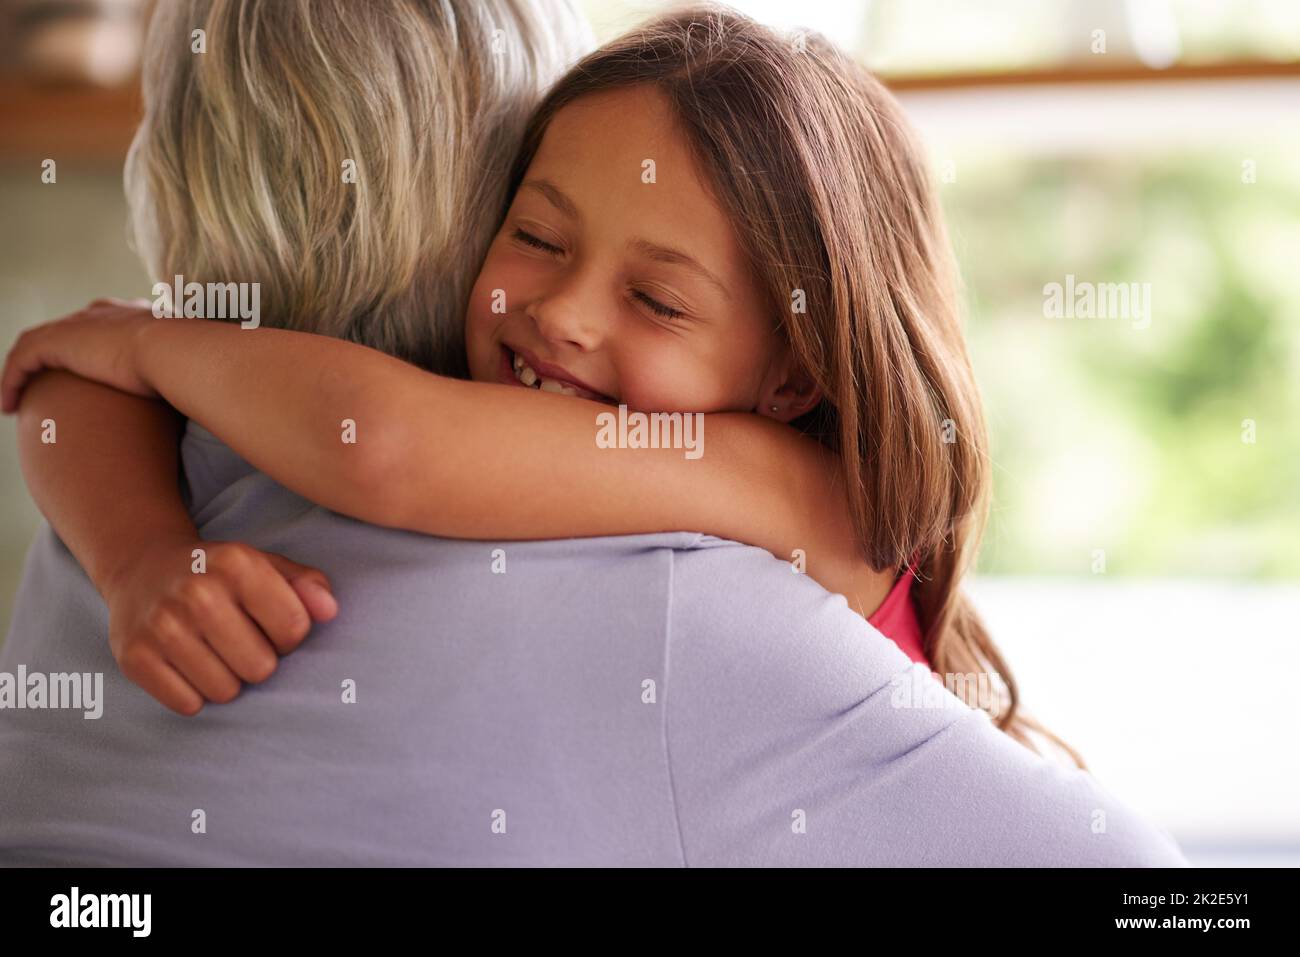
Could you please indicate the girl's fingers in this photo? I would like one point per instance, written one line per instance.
(237, 641)
(184, 648)
(163, 683)
(310, 585)
(16, 372)
(50, 345)
(26, 358)
(272, 603)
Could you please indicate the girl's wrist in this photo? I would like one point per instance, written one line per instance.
(176, 542)
(147, 341)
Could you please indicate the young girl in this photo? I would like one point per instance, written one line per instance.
(706, 217)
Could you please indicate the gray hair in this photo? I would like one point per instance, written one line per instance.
(238, 170)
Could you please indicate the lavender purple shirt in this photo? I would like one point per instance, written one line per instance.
(661, 700)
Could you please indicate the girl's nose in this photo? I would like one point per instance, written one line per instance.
(566, 316)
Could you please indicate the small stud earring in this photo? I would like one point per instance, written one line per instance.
(775, 409)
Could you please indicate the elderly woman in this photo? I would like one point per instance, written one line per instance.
(460, 705)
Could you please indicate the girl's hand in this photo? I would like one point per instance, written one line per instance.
(188, 638)
(96, 343)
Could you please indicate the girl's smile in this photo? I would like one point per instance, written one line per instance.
(522, 368)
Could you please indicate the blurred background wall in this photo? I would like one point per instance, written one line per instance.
(1142, 564)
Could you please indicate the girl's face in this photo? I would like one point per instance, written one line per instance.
(620, 280)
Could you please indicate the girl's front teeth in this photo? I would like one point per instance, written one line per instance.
(525, 374)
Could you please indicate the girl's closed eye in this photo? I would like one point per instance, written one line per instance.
(536, 242)
(532, 241)
(657, 307)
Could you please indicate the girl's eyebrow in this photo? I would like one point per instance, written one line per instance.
(555, 197)
(653, 251)
(675, 257)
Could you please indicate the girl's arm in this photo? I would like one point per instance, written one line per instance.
(102, 466)
(373, 437)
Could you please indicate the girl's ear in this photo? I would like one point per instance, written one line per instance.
(787, 391)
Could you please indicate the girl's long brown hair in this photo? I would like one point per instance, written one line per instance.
(819, 172)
